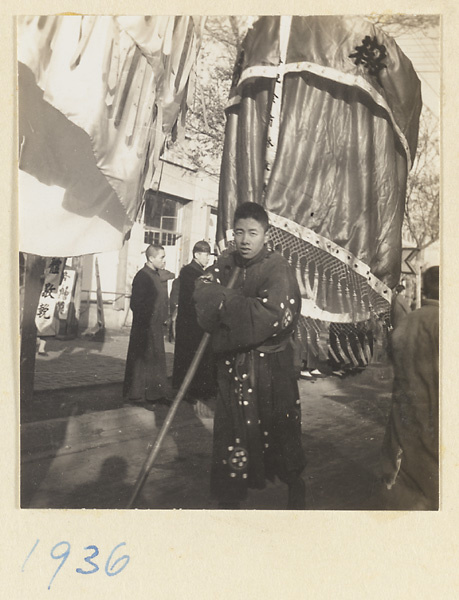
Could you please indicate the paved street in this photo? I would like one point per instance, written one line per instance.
(84, 361)
(82, 447)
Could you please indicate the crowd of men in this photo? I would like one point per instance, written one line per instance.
(249, 303)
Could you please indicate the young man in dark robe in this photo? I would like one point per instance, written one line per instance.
(145, 377)
(188, 333)
(257, 426)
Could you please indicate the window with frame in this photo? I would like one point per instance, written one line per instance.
(158, 237)
(161, 216)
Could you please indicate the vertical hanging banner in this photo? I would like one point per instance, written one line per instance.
(45, 319)
(97, 97)
(100, 299)
(322, 126)
(65, 293)
(276, 102)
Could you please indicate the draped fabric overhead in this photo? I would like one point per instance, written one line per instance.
(322, 127)
(97, 97)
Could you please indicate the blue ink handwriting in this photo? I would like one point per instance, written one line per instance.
(61, 551)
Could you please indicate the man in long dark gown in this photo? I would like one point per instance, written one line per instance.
(257, 425)
(188, 332)
(145, 378)
(410, 452)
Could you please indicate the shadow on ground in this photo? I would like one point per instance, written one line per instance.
(84, 448)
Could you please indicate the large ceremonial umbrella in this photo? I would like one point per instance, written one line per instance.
(322, 126)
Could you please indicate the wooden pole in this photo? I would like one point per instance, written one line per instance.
(418, 285)
(98, 332)
(77, 262)
(120, 301)
(173, 409)
(100, 300)
(34, 269)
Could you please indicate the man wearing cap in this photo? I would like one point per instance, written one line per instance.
(145, 378)
(188, 333)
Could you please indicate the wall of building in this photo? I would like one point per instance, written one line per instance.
(430, 256)
(197, 196)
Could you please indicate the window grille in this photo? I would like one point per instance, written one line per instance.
(161, 215)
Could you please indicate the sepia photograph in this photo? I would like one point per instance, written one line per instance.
(229, 261)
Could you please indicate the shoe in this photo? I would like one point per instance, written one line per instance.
(297, 495)
(317, 373)
(305, 375)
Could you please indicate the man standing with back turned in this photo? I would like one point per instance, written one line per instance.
(410, 453)
(145, 377)
(257, 426)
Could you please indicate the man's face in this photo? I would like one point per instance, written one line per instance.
(250, 237)
(202, 258)
(158, 261)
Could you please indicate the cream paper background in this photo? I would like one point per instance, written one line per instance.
(246, 554)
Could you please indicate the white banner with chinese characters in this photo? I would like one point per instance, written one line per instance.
(45, 319)
(65, 293)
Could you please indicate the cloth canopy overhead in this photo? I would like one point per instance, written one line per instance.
(322, 125)
(97, 97)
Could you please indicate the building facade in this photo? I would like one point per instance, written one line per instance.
(176, 214)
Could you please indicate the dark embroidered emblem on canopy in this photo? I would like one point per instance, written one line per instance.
(371, 55)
